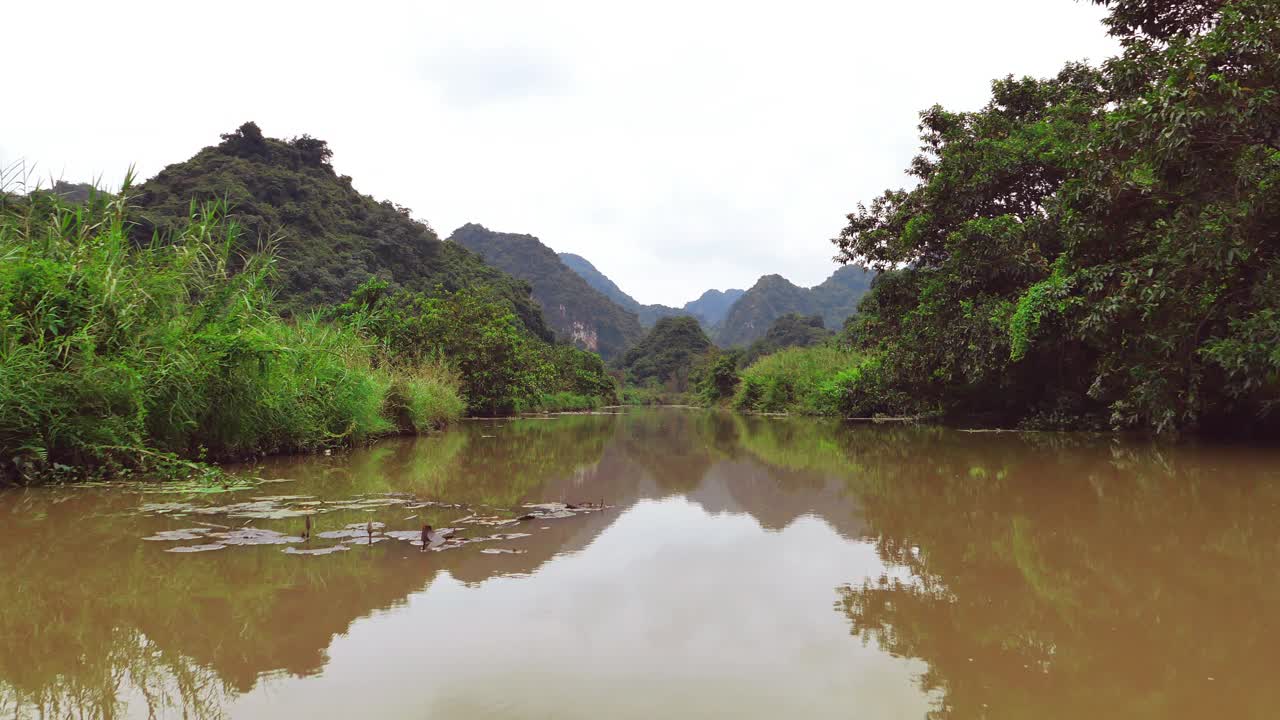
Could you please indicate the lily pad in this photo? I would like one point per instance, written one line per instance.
(316, 551)
(195, 548)
(255, 536)
(176, 535)
(354, 530)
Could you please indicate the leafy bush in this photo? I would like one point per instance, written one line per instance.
(502, 368)
(564, 401)
(715, 376)
(792, 380)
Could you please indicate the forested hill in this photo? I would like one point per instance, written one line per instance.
(329, 237)
(648, 314)
(667, 354)
(573, 308)
(790, 330)
(774, 296)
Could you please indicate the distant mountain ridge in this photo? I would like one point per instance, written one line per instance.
(709, 309)
(648, 314)
(576, 311)
(713, 305)
(774, 296)
(737, 318)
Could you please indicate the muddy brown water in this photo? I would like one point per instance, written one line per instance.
(743, 567)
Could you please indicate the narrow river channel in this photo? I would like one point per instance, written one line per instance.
(659, 563)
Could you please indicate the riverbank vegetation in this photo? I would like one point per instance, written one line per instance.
(117, 357)
(1100, 248)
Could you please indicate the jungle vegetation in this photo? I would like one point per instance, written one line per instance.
(666, 356)
(117, 357)
(1100, 248)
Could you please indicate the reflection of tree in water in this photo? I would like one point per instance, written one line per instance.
(1066, 580)
(499, 463)
(168, 686)
(89, 608)
(65, 649)
(1126, 573)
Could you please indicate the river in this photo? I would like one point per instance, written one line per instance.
(659, 563)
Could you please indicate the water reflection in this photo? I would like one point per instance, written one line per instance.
(1060, 579)
(987, 577)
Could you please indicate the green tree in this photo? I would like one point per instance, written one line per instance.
(1104, 244)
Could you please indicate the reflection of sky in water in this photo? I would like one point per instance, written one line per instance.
(670, 611)
(1051, 576)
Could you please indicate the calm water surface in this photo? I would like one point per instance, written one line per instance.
(754, 567)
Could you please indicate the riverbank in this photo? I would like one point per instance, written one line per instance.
(117, 359)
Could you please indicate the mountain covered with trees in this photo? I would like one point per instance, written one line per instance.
(790, 330)
(576, 311)
(773, 296)
(327, 238)
(667, 354)
(648, 314)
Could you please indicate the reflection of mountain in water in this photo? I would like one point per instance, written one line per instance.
(777, 497)
(245, 612)
(1045, 575)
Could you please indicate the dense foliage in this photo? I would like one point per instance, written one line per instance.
(329, 238)
(1101, 247)
(501, 366)
(773, 296)
(667, 354)
(715, 376)
(820, 380)
(577, 312)
(114, 357)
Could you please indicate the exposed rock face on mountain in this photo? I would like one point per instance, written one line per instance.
(575, 310)
(666, 355)
(329, 238)
(712, 307)
(648, 314)
(774, 296)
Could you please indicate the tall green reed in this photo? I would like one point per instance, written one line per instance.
(117, 355)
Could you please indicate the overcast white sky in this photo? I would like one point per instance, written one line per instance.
(676, 145)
